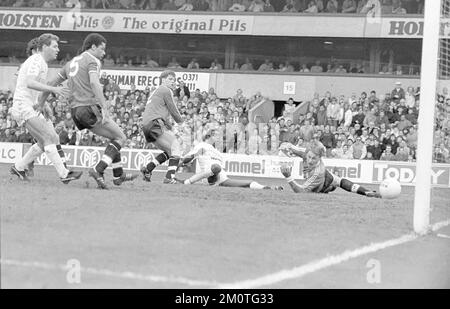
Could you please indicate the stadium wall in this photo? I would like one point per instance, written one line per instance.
(362, 171)
(270, 85)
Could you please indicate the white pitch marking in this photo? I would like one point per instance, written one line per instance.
(109, 273)
(317, 265)
(294, 273)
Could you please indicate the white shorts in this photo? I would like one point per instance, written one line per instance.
(205, 165)
(22, 111)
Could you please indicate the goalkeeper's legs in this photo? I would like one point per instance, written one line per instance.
(350, 186)
(237, 183)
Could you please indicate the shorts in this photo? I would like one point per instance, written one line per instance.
(217, 180)
(86, 117)
(22, 111)
(205, 164)
(331, 182)
(154, 129)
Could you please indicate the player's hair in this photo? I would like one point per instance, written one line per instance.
(32, 45)
(46, 39)
(93, 39)
(166, 73)
(317, 148)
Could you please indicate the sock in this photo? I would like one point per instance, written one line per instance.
(159, 159)
(62, 155)
(52, 153)
(117, 167)
(31, 155)
(111, 152)
(173, 166)
(349, 186)
(256, 186)
(187, 182)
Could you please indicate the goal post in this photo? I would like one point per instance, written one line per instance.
(428, 88)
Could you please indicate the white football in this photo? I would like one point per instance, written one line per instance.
(390, 188)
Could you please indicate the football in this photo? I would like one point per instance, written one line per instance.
(390, 188)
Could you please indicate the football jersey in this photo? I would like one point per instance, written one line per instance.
(315, 177)
(161, 105)
(34, 66)
(77, 72)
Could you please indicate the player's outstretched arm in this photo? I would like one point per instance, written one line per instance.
(286, 171)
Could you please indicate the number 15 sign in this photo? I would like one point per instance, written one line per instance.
(289, 88)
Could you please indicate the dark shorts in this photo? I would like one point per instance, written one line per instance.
(86, 117)
(153, 130)
(328, 184)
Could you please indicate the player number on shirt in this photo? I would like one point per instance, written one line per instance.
(74, 66)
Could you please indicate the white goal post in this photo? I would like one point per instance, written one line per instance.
(428, 88)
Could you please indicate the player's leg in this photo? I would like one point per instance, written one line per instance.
(350, 186)
(44, 133)
(89, 117)
(170, 145)
(212, 174)
(114, 133)
(152, 131)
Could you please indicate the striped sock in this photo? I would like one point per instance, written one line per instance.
(159, 159)
(62, 155)
(117, 167)
(173, 166)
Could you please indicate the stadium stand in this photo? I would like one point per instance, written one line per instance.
(370, 126)
(255, 6)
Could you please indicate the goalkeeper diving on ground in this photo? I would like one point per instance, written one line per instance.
(318, 178)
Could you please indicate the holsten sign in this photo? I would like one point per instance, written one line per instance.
(361, 171)
(219, 23)
(80, 20)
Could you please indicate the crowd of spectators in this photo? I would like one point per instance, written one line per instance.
(255, 6)
(369, 126)
(331, 66)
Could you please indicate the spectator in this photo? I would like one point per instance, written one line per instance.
(312, 8)
(182, 90)
(387, 154)
(187, 6)
(348, 6)
(193, 64)
(201, 5)
(332, 6)
(317, 68)
(268, 7)
(304, 68)
(374, 148)
(173, 64)
(397, 7)
(247, 66)
(237, 6)
(359, 149)
(398, 92)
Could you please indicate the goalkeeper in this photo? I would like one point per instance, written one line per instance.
(210, 161)
(318, 179)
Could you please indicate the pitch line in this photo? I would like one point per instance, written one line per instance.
(109, 273)
(283, 275)
(317, 265)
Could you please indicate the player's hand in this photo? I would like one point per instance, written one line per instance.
(286, 170)
(61, 91)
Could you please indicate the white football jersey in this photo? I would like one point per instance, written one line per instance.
(34, 66)
(206, 150)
